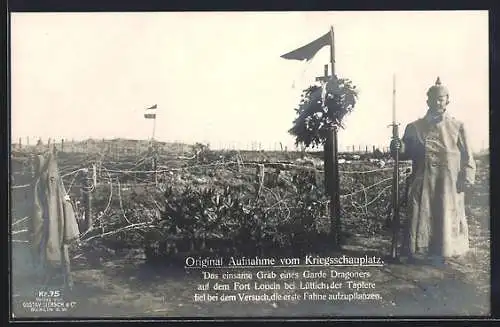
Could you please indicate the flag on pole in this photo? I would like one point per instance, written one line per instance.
(309, 50)
(150, 112)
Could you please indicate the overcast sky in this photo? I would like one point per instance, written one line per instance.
(219, 78)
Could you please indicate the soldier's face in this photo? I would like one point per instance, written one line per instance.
(438, 103)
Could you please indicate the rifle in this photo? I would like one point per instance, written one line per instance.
(395, 179)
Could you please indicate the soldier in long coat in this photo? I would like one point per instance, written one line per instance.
(443, 169)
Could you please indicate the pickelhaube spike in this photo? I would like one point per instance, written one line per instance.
(437, 89)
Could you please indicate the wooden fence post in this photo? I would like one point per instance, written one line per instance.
(155, 166)
(94, 175)
(32, 166)
(87, 198)
(239, 162)
(259, 178)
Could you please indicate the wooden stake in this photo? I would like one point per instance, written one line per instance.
(87, 198)
(94, 174)
(155, 166)
(335, 181)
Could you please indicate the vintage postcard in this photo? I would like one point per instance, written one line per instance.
(249, 164)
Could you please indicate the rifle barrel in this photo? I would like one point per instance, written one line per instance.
(394, 99)
(395, 179)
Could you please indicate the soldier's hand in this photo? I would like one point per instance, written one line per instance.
(396, 146)
(464, 186)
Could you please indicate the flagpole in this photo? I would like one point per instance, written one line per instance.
(334, 180)
(332, 50)
(155, 153)
(154, 129)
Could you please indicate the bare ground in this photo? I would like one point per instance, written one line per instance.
(126, 287)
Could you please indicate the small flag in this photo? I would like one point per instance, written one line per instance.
(309, 50)
(150, 112)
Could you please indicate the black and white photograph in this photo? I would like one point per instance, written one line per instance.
(318, 164)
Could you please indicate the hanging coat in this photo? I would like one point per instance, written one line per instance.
(442, 162)
(53, 219)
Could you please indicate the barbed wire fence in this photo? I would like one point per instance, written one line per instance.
(113, 177)
(124, 147)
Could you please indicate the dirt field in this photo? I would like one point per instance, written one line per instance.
(127, 287)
